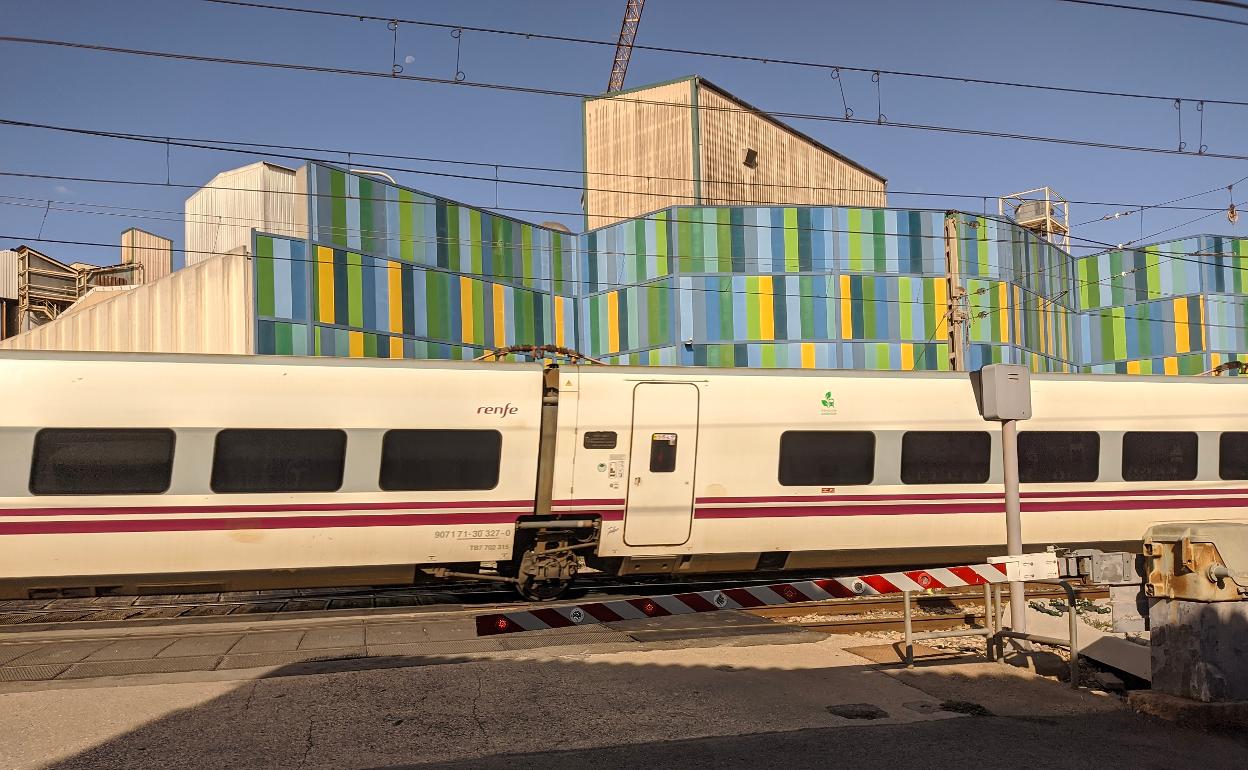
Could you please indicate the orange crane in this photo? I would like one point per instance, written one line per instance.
(624, 48)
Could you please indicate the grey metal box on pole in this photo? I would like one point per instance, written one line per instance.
(1006, 392)
(1003, 394)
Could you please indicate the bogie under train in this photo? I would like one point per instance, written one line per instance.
(151, 473)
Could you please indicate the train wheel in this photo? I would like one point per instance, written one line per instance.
(541, 590)
(546, 570)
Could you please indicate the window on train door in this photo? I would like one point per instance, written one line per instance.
(432, 460)
(1233, 456)
(1159, 456)
(663, 453)
(821, 458)
(102, 461)
(249, 460)
(945, 457)
(1059, 455)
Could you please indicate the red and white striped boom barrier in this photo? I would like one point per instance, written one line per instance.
(998, 570)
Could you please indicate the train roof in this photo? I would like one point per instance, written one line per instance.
(699, 372)
(705, 372)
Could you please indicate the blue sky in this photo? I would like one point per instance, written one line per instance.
(1040, 41)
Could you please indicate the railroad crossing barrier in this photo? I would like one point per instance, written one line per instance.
(1033, 566)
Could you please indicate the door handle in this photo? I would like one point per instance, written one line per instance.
(637, 481)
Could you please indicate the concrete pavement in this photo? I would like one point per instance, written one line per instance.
(776, 700)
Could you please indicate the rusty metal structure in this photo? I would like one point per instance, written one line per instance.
(46, 287)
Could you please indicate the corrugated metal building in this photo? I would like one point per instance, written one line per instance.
(204, 308)
(153, 252)
(689, 142)
(8, 293)
(220, 217)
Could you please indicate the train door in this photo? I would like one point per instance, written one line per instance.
(659, 510)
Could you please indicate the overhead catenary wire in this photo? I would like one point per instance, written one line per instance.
(756, 58)
(236, 146)
(1162, 11)
(652, 216)
(1015, 275)
(1193, 221)
(388, 236)
(956, 130)
(676, 259)
(203, 146)
(1228, 3)
(1166, 205)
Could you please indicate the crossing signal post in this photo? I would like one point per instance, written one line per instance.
(1003, 394)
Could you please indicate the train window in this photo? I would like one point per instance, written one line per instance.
(663, 453)
(252, 460)
(430, 460)
(1233, 455)
(102, 461)
(1058, 455)
(811, 458)
(945, 457)
(1159, 456)
(600, 439)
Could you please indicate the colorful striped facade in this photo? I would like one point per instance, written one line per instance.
(390, 272)
(819, 287)
(1170, 308)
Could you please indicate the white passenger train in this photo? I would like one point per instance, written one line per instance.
(142, 473)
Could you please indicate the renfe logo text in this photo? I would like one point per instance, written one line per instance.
(501, 411)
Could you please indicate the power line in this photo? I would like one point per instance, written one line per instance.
(216, 220)
(211, 144)
(1229, 3)
(712, 54)
(1066, 268)
(41, 203)
(1166, 205)
(648, 217)
(193, 145)
(1181, 224)
(581, 96)
(1163, 11)
(212, 147)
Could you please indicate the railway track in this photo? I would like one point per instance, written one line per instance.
(27, 613)
(855, 615)
(934, 612)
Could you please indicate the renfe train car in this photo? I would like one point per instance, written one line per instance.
(143, 473)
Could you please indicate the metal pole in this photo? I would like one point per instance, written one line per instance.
(988, 627)
(954, 311)
(1073, 620)
(998, 622)
(1013, 520)
(908, 630)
